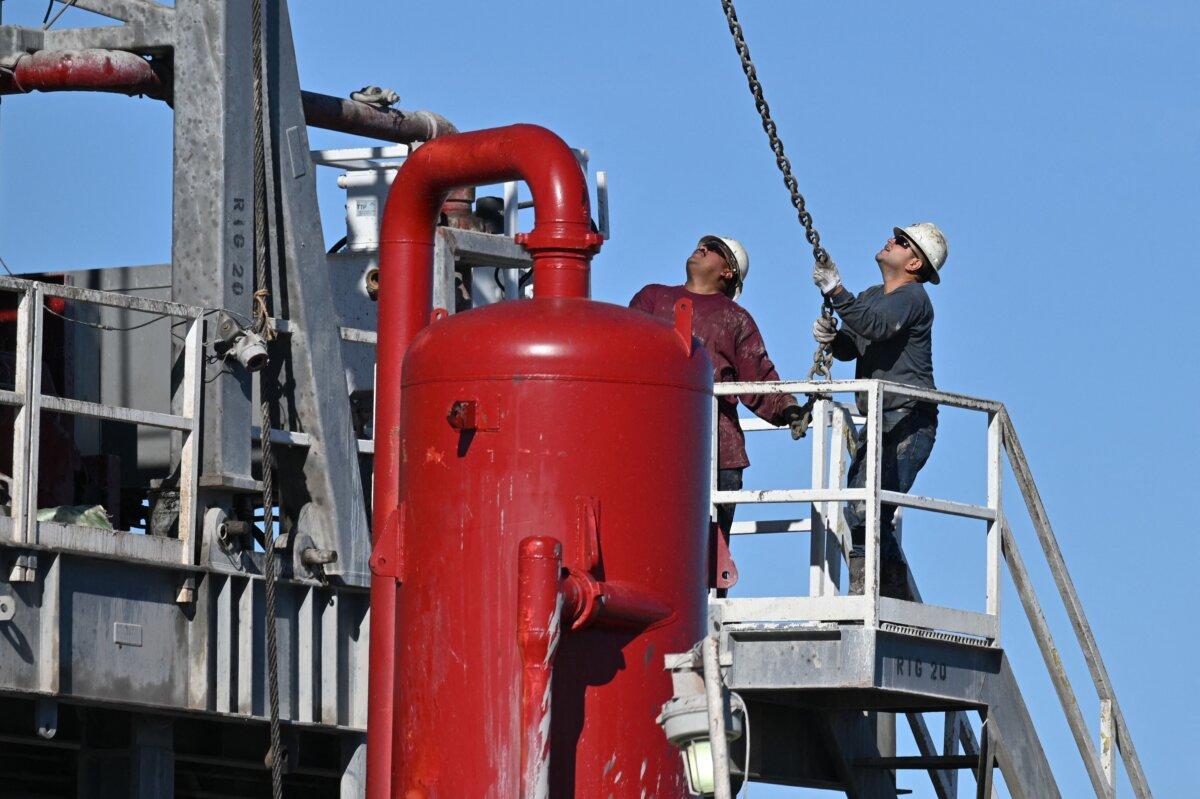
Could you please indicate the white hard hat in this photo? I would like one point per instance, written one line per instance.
(931, 243)
(735, 255)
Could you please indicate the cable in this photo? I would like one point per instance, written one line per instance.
(266, 386)
(745, 792)
(109, 328)
(47, 25)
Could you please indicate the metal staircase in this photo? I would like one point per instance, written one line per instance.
(821, 678)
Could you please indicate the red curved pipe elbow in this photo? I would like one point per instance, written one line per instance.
(562, 243)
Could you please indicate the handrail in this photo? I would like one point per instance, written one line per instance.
(1002, 545)
(1070, 598)
(30, 402)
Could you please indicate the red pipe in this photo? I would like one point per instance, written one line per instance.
(84, 70)
(539, 621)
(562, 244)
(588, 601)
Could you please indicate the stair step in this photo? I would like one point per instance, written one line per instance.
(920, 762)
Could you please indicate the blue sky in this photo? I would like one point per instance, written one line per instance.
(1056, 144)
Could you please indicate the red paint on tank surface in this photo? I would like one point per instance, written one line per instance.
(554, 417)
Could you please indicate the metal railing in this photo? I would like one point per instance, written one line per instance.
(30, 401)
(832, 422)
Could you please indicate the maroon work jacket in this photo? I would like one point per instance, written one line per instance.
(738, 353)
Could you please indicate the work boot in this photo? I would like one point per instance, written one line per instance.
(858, 570)
(893, 579)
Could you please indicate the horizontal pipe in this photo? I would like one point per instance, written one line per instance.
(122, 72)
(590, 602)
(89, 70)
(361, 119)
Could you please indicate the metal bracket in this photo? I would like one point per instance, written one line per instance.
(387, 558)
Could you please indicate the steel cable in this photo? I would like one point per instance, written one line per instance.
(823, 357)
(264, 327)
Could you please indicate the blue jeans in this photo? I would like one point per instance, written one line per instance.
(907, 441)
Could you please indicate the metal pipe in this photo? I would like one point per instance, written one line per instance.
(539, 621)
(562, 244)
(718, 743)
(122, 72)
(91, 70)
(361, 119)
(588, 601)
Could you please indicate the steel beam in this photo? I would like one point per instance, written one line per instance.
(331, 490)
(212, 254)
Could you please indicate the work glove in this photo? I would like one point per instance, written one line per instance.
(796, 417)
(826, 276)
(825, 329)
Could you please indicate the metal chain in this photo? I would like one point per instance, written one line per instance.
(823, 358)
(264, 327)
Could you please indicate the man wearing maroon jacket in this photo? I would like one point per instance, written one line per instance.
(715, 272)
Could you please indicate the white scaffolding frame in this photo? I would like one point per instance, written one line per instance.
(831, 422)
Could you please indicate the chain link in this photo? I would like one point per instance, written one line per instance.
(823, 357)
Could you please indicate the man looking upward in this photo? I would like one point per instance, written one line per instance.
(888, 332)
(716, 270)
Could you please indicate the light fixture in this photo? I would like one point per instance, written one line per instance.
(684, 719)
(244, 345)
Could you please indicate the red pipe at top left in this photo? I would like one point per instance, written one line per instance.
(92, 70)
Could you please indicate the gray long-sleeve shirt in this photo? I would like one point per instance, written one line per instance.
(889, 335)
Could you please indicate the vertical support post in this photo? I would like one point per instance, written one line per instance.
(983, 774)
(874, 455)
(227, 624)
(818, 577)
(191, 390)
(995, 555)
(950, 737)
(27, 428)
(50, 619)
(716, 457)
(354, 767)
(718, 742)
(331, 675)
(306, 678)
(835, 521)
(329, 508)
(152, 758)
(212, 253)
(510, 208)
(511, 217)
(247, 672)
(1108, 745)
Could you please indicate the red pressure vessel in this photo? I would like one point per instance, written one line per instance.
(562, 417)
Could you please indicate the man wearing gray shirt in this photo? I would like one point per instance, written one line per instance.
(888, 331)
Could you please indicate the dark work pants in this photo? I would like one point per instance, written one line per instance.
(728, 480)
(907, 442)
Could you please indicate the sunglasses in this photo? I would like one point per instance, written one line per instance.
(903, 242)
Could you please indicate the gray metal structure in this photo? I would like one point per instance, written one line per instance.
(823, 676)
(133, 660)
